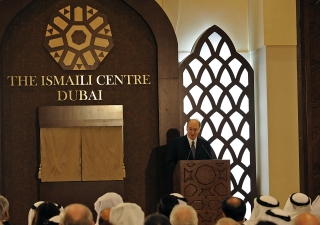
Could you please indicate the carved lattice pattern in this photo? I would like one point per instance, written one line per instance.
(217, 88)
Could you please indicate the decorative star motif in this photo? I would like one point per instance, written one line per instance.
(205, 192)
(206, 217)
(187, 175)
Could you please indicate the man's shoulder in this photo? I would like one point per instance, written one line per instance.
(177, 141)
(202, 140)
(179, 138)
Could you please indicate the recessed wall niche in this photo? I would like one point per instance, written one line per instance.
(81, 143)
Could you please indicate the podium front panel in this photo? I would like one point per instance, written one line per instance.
(205, 184)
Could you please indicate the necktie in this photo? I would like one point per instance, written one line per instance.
(193, 149)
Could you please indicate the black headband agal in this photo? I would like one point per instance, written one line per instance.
(298, 203)
(183, 199)
(285, 218)
(267, 204)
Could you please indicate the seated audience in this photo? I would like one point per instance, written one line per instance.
(182, 200)
(32, 211)
(76, 214)
(44, 212)
(166, 204)
(126, 214)
(102, 222)
(296, 204)
(34, 207)
(262, 222)
(226, 221)
(54, 220)
(305, 219)
(277, 216)
(1, 216)
(316, 207)
(106, 201)
(260, 205)
(183, 215)
(234, 208)
(4, 210)
(156, 219)
(105, 217)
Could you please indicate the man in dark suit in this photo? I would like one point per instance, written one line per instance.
(189, 147)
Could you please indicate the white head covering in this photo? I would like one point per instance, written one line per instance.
(296, 204)
(277, 216)
(34, 208)
(260, 205)
(182, 200)
(55, 219)
(126, 214)
(108, 200)
(316, 207)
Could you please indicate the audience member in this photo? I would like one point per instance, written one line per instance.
(44, 212)
(182, 200)
(54, 220)
(305, 219)
(76, 214)
(104, 216)
(277, 216)
(33, 210)
(4, 210)
(1, 216)
(296, 204)
(234, 208)
(106, 201)
(102, 222)
(126, 214)
(226, 221)
(183, 215)
(262, 222)
(260, 205)
(166, 204)
(156, 219)
(316, 207)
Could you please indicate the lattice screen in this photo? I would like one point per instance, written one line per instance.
(217, 88)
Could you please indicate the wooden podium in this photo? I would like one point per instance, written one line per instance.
(205, 184)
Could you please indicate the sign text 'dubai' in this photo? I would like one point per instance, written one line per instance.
(79, 80)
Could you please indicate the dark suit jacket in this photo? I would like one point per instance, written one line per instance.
(180, 150)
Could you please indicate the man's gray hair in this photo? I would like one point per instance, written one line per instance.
(4, 204)
(183, 215)
(74, 210)
(227, 221)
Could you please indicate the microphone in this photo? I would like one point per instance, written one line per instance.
(207, 152)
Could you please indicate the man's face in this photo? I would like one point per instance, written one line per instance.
(193, 129)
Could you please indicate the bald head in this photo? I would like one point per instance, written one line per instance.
(235, 202)
(234, 208)
(306, 219)
(77, 214)
(193, 128)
